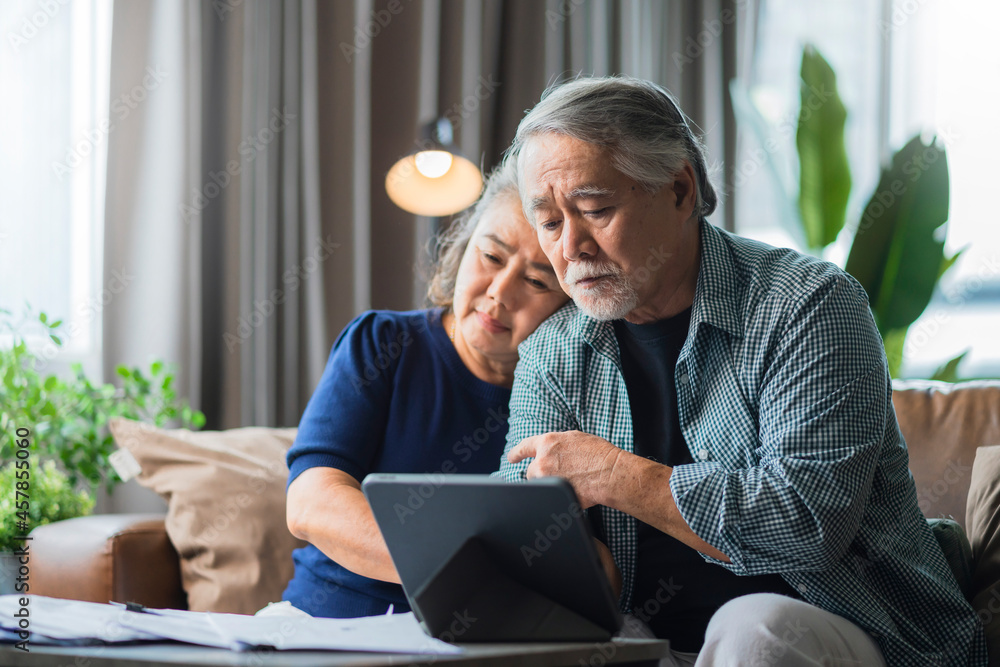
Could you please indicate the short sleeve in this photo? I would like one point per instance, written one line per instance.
(343, 424)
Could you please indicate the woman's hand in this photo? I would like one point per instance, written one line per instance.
(610, 569)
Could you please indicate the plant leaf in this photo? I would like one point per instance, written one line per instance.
(894, 341)
(824, 172)
(949, 262)
(901, 220)
(948, 371)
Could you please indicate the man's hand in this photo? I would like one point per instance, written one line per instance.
(585, 460)
(610, 569)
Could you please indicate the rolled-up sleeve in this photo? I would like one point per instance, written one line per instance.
(821, 429)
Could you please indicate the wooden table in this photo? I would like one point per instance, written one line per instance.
(618, 652)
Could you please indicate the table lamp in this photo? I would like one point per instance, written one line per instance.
(435, 180)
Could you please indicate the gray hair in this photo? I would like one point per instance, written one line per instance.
(502, 182)
(638, 122)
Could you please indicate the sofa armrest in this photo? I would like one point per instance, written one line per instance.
(119, 557)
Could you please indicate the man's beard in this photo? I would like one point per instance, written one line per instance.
(612, 298)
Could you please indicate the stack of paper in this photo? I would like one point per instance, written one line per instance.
(71, 622)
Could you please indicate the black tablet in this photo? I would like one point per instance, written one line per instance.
(481, 559)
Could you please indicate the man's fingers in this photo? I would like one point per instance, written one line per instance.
(524, 450)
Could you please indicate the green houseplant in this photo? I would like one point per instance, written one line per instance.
(52, 498)
(66, 417)
(905, 216)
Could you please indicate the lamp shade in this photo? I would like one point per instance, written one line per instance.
(435, 180)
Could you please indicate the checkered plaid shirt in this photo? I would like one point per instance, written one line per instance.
(784, 400)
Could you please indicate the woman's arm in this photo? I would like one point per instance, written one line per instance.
(326, 508)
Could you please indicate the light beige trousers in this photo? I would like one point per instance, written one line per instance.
(770, 630)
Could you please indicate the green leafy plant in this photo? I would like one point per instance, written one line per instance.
(68, 416)
(898, 250)
(905, 217)
(824, 172)
(52, 498)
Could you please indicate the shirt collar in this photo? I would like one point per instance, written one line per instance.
(716, 295)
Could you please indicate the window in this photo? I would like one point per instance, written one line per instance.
(935, 59)
(55, 66)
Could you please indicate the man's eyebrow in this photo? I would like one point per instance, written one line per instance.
(539, 202)
(582, 192)
(591, 192)
(508, 248)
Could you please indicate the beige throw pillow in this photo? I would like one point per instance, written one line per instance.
(225, 492)
(982, 519)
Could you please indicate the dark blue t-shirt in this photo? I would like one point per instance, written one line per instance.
(676, 590)
(395, 398)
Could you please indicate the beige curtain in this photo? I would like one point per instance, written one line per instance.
(245, 193)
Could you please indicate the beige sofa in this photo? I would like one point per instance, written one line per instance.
(138, 558)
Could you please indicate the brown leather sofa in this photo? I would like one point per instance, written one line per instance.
(128, 557)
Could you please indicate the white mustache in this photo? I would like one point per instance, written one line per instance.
(577, 272)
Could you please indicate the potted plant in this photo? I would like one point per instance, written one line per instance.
(51, 498)
(56, 427)
(906, 214)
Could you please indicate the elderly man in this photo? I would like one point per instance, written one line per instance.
(722, 407)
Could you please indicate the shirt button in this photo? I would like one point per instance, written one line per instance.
(684, 378)
(703, 454)
(803, 588)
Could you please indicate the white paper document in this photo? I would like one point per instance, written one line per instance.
(75, 622)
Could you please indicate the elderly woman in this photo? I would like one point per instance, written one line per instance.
(417, 391)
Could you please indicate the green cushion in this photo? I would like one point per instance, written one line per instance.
(957, 550)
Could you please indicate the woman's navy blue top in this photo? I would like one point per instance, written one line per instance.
(394, 398)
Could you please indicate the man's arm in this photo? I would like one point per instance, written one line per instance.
(823, 407)
(536, 407)
(603, 474)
